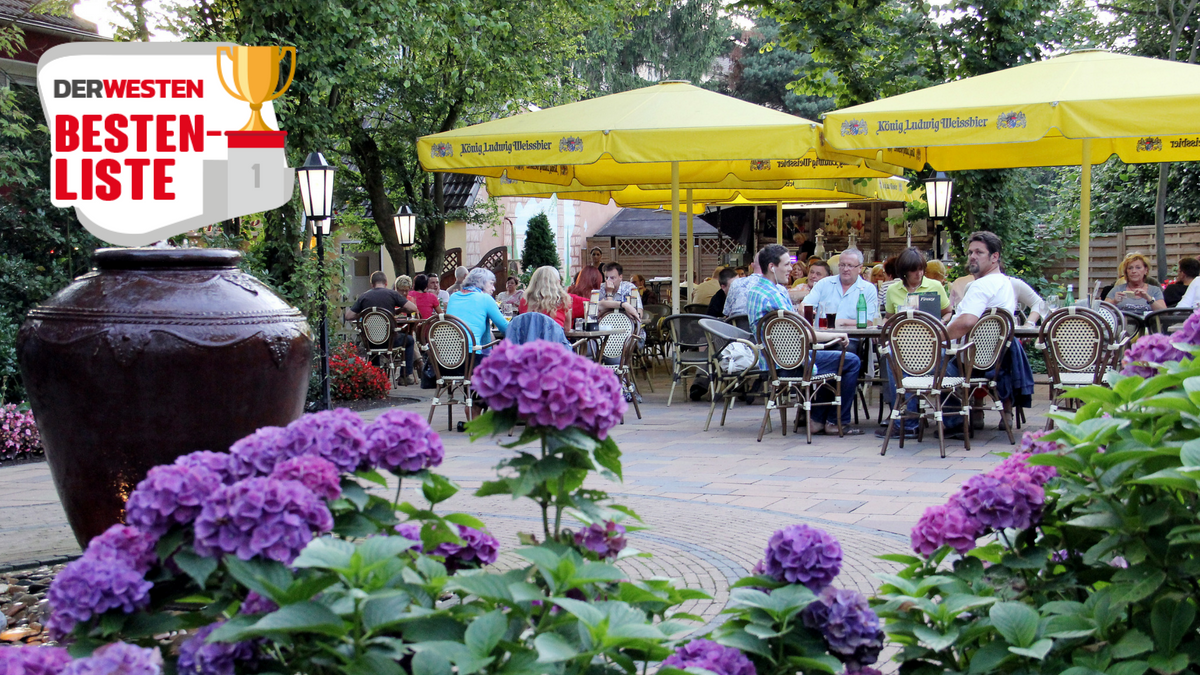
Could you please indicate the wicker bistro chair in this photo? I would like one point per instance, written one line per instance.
(695, 308)
(658, 338)
(727, 385)
(616, 352)
(989, 340)
(1121, 328)
(789, 340)
(1080, 351)
(917, 349)
(687, 341)
(740, 320)
(378, 328)
(449, 349)
(1166, 321)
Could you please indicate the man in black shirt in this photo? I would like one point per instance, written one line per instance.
(390, 301)
(1189, 269)
(716, 306)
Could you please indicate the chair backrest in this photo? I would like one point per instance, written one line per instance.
(1115, 319)
(656, 311)
(377, 326)
(1075, 339)
(449, 343)
(695, 308)
(720, 335)
(1164, 320)
(989, 338)
(616, 345)
(532, 326)
(915, 341)
(787, 339)
(740, 320)
(686, 332)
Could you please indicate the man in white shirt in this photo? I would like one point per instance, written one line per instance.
(990, 288)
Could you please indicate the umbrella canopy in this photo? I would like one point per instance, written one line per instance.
(1080, 108)
(656, 135)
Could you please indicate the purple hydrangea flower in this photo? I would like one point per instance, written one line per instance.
(170, 495)
(550, 386)
(315, 473)
(337, 435)
(1033, 446)
(257, 604)
(89, 587)
(1149, 350)
(799, 554)
(260, 516)
(410, 530)
(257, 454)
(126, 545)
(219, 463)
(605, 539)
(1189, 332)
(711, 656)
(1017, 465)
(30, 660)
(1012, 500)
(197, 657)
(848, 624)
(402, 442)
(942, 525)
(864, 671)
(118, 658)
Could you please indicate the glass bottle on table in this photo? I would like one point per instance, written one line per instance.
(861, 311)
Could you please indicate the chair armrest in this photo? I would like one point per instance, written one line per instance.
(757, 349)
(951, 351)
(493, 343)
(831, 343)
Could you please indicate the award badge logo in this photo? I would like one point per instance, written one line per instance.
(149, 140)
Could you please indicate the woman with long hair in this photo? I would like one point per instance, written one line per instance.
(589, 279)
(545, 295)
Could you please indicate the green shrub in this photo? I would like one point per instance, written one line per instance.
(540, 248)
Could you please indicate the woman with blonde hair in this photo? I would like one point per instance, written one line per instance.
(1135, 293)
(546, 295)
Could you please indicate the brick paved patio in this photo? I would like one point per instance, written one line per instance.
(712, 499)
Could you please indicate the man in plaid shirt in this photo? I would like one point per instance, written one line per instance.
(768, 293)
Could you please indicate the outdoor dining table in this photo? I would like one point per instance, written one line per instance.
(876, 331)
(588, 337)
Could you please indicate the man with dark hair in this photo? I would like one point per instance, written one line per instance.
(768, 293)
(990, 288)
(716, 304)
(389, 300)
(1189, 269)
(616, 293)
(703, 293)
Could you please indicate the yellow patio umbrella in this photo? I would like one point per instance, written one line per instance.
(1080, 108)
(654, 135)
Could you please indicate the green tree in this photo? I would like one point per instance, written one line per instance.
(652, 41)
(764, 72)
(136, 17)
(540, 249)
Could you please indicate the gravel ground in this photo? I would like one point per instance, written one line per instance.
(23, 604)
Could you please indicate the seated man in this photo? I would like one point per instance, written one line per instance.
(706, 289)
(716, 304)
(1189, 269)
(616, 293)
(735, 297)
(392, 301)
(839, 295)
(767, 293)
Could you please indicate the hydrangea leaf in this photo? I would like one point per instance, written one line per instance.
(989, 657)
(586, 613)
(383, 608)
(745, 642)
(934, 639)
(302, 617)
(488, 586)
(326, 553)
(1017, 622)
(438, 488)
(553, 648)
(199, 568)
(1128, 668)
(267, 578)
(1170, 620)
(485, 632)
(1168, 665)
(430, 662)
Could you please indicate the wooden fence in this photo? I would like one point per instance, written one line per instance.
(1108, 250)
(652, 257)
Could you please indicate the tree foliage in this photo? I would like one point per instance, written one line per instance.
(763, 72)
(540, 249)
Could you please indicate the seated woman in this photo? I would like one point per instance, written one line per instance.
(589, 279)
(1134, 292)
(546, 295)
(511, 295)
(910, 266)
(475, 307)
(426, 301)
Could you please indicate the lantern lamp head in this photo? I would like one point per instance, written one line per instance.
(316, 187)
(405, 222)
(938, 188)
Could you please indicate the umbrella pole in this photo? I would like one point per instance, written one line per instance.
(779, 223)
(1085, 215)
(674, 237)
(691, 246)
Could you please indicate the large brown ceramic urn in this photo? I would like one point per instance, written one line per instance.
(157, 353)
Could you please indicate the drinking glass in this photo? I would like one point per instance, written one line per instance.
(1052, 301)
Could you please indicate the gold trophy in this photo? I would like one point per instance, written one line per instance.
(256, 75)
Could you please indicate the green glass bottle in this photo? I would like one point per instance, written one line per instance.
(862, 311)
(1070, 295)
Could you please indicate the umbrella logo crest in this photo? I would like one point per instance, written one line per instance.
(1010, 120)
(570, 144)
(441, 150)
(854, 128)
(760, 165)
(1150, 144)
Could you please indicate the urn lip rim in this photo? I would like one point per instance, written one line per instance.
(163, 258)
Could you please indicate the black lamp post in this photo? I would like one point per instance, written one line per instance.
(316, 191)
(405, 223)
(938, 189)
